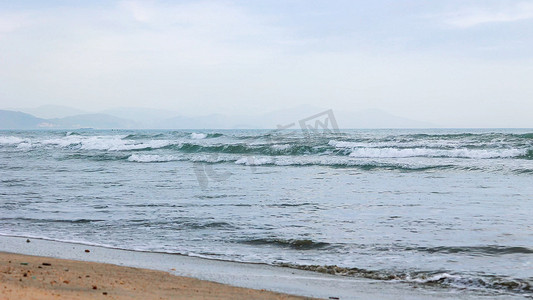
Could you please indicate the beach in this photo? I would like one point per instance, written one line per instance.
(34, 277)
(147, 275)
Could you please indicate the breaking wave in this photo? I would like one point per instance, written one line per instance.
(386, 147)
(146, 158)
(423, 152)
(481, 250)
(299, 244)
(445, 279)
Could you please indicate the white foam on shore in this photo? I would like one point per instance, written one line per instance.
(256, 276)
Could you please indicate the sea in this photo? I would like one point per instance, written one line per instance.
(447, 209)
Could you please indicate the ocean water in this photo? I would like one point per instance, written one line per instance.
(448, 209)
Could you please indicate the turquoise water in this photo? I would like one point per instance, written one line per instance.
(447, 208)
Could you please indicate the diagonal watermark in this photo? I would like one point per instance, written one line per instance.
(324, 123)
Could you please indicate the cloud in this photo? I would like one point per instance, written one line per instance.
(140, 12)
(204, 57)
(132, 36)
(478, 16)
(11, 22)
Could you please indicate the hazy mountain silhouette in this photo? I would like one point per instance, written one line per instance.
(290, 118)
(97, 121)
(144, 118)
(19, 120)
(52, 111)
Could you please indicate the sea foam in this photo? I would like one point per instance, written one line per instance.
(11, 140)
(425, 152)
(145, 158)
(358, 150)
(198, 136)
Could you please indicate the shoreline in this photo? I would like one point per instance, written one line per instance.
(37, 277)
(258, 277)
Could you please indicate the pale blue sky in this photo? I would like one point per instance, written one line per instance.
(455, 63)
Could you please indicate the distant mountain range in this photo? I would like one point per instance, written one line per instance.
(59, 117)
(19, 120)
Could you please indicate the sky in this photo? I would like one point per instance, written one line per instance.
(452, 63)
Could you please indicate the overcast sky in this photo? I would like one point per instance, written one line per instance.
(454, 63)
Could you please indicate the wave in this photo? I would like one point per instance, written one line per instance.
(214, 135)
(525, 136)
(253, 161)
(341, 163)
(242, 148)
(120, 145)
(33, 220)
(442, 278)
(303, 244)
(424, 152)
(445, 279)
(480, 250)
(201, 136)
(374, 152)
(528, 155)
(142, 222)
(12, 140)
(105, 143)
(146, 158)
(470, 282)
(357, 148)
(208, 225)
(142, 136)
(465, 135)
(95, 156)
(198, 136)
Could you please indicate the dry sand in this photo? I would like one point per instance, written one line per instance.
(34, 277)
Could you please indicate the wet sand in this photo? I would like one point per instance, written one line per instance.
(34, 277)
(150, 277)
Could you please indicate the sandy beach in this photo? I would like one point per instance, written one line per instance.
(34, 277)
(124, 274)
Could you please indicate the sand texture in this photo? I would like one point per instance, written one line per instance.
(34, 277)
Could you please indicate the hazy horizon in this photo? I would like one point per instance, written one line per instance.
(456, 64)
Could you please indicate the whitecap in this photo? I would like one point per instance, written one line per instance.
(425, 152)
(254, 161)
(198, 136)
(11, 140)
(144, 158)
